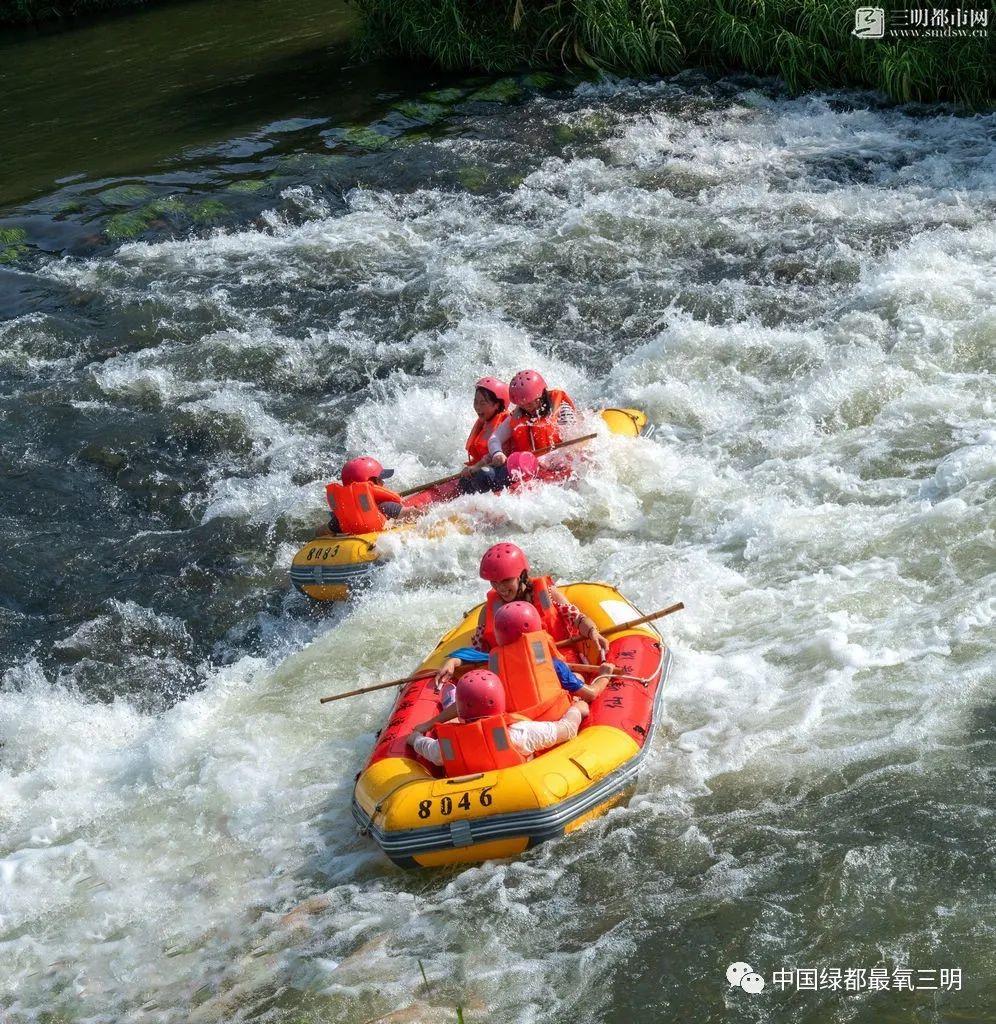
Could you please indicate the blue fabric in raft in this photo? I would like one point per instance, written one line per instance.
(568, 680)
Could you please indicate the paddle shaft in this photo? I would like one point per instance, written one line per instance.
(563, 643)
(628, 625)
(379, 686)
(454, 476)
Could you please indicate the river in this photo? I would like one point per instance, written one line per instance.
(799, 292)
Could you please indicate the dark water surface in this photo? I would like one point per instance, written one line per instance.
(264, 274)
(130, 93)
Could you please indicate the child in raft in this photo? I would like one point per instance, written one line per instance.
(537, 423)
(491, 406)
(484, 737)
(506, 568)
(361, 503)
(552, 681)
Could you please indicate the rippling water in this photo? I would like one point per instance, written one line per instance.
(800, 292)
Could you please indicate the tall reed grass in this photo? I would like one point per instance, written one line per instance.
(808, 43)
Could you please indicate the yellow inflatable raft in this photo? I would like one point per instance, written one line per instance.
(420, 818)
(327, 567)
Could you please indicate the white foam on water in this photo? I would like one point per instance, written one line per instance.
(819, 287)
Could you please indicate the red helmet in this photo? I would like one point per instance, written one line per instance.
(514, 619)
(359, 471)
(502, 562)
(478, 694)
(523, 465)
(497, 387)
(526, 386)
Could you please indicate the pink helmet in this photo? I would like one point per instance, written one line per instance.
(359, 471)
(526, 386)
(523, 465)
(497, 387)
(478, 694)
(515, 619)
(502, 562)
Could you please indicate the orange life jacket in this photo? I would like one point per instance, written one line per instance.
(480, 434)
(480, 746)
(533, 435)
(553, 621)
(532, 687)
(355, 506)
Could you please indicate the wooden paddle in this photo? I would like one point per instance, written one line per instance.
(378, 686)
(570, 641)
(563, 643)
(454, 476)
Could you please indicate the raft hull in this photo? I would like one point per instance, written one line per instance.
(331, 568)
(421, 819)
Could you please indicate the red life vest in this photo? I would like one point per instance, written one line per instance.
(355, 506)
(553, 622)
(480, 434)
(533, 435)
(532, 686)
(480, 746)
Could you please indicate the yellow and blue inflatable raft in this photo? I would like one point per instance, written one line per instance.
(419, 818)
(328, 568)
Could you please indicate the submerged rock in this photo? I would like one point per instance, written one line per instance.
(365, 137)
(247, 186)
(125, 226)
(444, 95)
(12, 245)
(505, 90)
(427, 113)
(474, 179)
(124, 195)
(210, 211)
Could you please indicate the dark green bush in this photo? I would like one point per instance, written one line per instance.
(808, 43)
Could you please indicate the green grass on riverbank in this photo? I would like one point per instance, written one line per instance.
(808, 43)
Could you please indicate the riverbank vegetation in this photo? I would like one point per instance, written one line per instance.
(808, 43)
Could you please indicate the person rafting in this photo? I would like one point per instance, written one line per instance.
(491, 406)
(526, 659)
(538, 683)
(506, 568)
(361, 503)
(484, 736)
(538, 422)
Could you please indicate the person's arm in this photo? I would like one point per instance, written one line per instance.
(383, 494)
(575, 685)
(585, 626)
(446, 670)
(498, 440)
(446, 715)
(594, 689)
(532, 737)
(426, 747)
(461, 656)
(477, 640)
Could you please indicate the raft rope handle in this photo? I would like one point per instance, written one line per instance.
(631, 415)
